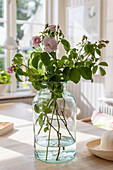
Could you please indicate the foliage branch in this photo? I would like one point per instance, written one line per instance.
(44, 66)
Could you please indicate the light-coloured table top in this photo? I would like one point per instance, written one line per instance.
(16, 147)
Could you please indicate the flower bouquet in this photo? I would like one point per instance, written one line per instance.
(54, 108)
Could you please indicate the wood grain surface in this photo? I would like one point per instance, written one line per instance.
(16, 147)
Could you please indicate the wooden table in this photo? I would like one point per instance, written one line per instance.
(16, 147)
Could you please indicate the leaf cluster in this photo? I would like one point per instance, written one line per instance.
(4, 77)
(82, 61)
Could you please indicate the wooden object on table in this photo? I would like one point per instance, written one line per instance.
(16, 147)
(86, 120)
(5, 127)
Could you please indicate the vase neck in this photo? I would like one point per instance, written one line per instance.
(55, 87)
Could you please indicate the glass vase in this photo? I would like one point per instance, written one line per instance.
(54, 124)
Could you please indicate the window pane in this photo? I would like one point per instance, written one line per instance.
(30, 22)
(2, 36)
(1, 63)
(25, 33)
(1, 8)
(27, 8)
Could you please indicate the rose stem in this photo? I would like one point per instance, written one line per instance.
(49, 135)
(44, 118)
(65, 123)
(58, 134)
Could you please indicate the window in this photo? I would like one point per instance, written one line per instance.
(2, 33)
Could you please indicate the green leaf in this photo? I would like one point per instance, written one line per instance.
(45, 58)
(66, 72)
(51, 69)
(66, 45)
(21, 72)
(70, 57)
(95, 69)
(46, 129)
(35, 61)
(74, 50)
(64, 57)
(96, 59)
(36, 108)
(18, 58)
(73, 54)
(86, 73)
(98, 52)
(89, 48)
(40, 119)
(81, 63)
(53, 54)
(18, 55)
(102, 71)
(18, 78)
(58, 71)
(74, 75)
(53, 103)
(32, 54)
(47, 110)
(103, 64)
(36, 85)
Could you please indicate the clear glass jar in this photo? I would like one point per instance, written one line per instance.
(54, 122)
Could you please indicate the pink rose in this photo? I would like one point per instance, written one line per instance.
(36, 41)
(9, 70)
(52, 28)
(50, 44)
